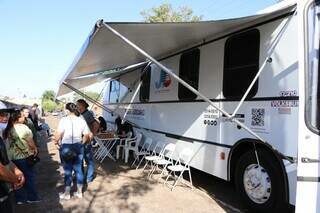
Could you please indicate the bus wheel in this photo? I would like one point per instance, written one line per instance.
(261, 187)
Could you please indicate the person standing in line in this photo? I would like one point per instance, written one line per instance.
(10, 176)
(34, 116)
(25, 112)
(71, 135)
(20, 147)
(94, 127)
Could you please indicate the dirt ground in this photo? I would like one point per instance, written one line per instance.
(119, 188)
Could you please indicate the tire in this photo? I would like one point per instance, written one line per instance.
(265, 194)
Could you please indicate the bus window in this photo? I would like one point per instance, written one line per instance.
(117, 91)
(241, 64)
(312, 111)
(145, 86)
(114, 93)
(189, 72)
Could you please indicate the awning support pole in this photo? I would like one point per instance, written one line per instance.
(133, 97)
(95, 102)
(100, 93)
(164, 68)
(267, 60)
(133, 85)
(87, 97)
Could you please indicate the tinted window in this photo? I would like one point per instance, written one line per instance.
(145, 85)
(189, 72)
(241, 64)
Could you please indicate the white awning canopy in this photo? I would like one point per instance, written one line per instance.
(104, 51)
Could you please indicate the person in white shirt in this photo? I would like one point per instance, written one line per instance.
(71, 134)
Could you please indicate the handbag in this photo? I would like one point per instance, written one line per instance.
(69, 154)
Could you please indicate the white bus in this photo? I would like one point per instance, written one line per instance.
(242, 93)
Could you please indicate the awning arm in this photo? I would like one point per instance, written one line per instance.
(133, 97)
(94, 101)
(268, 59)
(133, 85)
(99, 96)
(164, 68)
(87, 97)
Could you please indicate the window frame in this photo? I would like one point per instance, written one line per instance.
(196, 53)
(227, 68)
(111, 90)
(144, 93)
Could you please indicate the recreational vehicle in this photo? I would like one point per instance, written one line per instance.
(242, 93)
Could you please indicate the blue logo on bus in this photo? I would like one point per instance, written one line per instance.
(164, 80)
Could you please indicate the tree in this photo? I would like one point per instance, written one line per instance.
(48, 95)
(48, 102)
(49, 106)
(165, 13)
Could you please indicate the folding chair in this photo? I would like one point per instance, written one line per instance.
(130, 147)
(158, 148)
(181, 166)
(104, 148)
(166, 159)
(145, 150)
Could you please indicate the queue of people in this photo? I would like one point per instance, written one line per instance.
(18, 143)
(21, 146)
(17, 177)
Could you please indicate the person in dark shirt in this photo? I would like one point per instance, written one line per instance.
(10, 176)
(34, 116)
(123, 128)
(103, 124)
(25, 112)
(94, 128)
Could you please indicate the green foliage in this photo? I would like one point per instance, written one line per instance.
(48, 95)
(165, 13)
(49, 105)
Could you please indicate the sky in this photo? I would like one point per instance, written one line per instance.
(39, 38)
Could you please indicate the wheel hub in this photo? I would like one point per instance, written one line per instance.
(257, 183)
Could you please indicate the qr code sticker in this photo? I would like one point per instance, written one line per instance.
(257, 117)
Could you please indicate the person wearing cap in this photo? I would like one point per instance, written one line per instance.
(94, 128)
(11, 178)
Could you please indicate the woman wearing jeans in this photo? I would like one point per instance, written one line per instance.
(72, 133)
(21, 146)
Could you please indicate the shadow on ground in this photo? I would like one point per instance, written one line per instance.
(118, 195)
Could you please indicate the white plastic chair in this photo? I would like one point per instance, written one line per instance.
(145, 150)
(158, 148)
(122, 143)
(166, 159)
(130, 147)
(181, 166)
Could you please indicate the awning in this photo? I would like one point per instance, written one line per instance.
(104, 51)
(87, 80)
